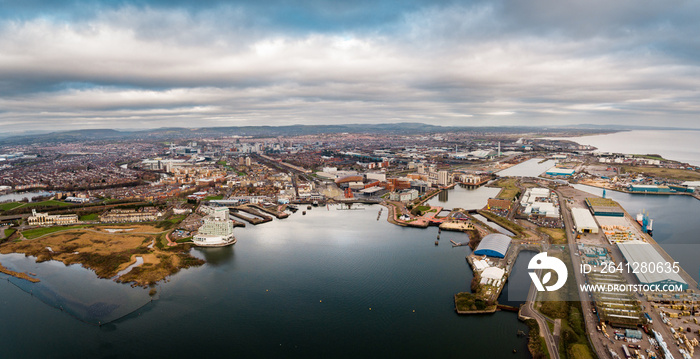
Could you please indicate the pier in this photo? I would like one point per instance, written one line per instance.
(257, 217)
(280, 214)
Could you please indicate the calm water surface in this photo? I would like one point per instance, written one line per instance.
(22, 195)
(675, 145)
(464, 197)
(300, 287)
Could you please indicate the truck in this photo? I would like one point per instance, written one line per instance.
(626, 351)
(646, 315)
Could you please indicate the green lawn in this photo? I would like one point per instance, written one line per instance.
(38, 232)
(184, 240)
(509, 190)
(9, 232)
(170, 222)
(558, 235)
(10, 205)
(49, 203)
(580, 351)
(89, 217)
(209, 198)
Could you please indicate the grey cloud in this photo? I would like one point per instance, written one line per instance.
(541, 63)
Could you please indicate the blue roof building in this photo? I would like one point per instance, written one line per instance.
(556, 171)
(493, 245)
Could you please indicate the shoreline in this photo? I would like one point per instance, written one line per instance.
(692, 283)
(20, 275)
(694, 195)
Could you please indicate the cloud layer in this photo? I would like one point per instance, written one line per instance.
(152, 64)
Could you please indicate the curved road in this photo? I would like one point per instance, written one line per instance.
(529, 310)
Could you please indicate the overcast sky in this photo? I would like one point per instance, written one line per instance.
(141, 64)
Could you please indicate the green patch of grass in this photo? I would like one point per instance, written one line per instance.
(466, 301)
(650, 157)
(38, 232)
(536, 344)
(241, 173)
(89, 217)
(419, 210)
(170, 222)
(184, 240)
(10, 205)
(49, 203)
(503, 222)
(558, 235)
(9, 232)
(508, 193)
(580, 351)
(209, 198)
(509, 189)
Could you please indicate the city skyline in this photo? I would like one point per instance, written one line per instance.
(152, 64)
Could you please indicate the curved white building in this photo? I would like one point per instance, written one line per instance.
(217, 230)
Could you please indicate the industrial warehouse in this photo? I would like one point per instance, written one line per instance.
(642, 252)
(584, 221)
(493, 245)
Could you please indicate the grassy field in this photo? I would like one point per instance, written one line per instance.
(209, 198)
(170, 222)
(509, 190)
(669, 173)
(650, 157)
(574, 342)
(558, 235)
(9, 232)
(89, 217)
(536, 344)
(38, 232)
(49, 203)
(10, 205)
(466, 301)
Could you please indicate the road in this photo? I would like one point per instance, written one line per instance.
(529, 310)
(586, 303)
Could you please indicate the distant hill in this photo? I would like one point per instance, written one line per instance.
(174, 133)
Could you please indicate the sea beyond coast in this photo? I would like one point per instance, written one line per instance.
(677, 145)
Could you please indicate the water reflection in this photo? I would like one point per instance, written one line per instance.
(443, 196)
(465, 197)
(76, 290)
(216, 256)
(22, 195)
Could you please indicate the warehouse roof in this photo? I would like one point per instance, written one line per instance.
(493, 245)
(642, 252)
(583, 218)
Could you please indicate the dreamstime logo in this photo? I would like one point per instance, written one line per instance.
(541, 261)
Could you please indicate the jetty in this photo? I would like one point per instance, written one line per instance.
(256, 218)
(280, 214)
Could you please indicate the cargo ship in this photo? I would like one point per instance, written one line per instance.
(645, 222)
